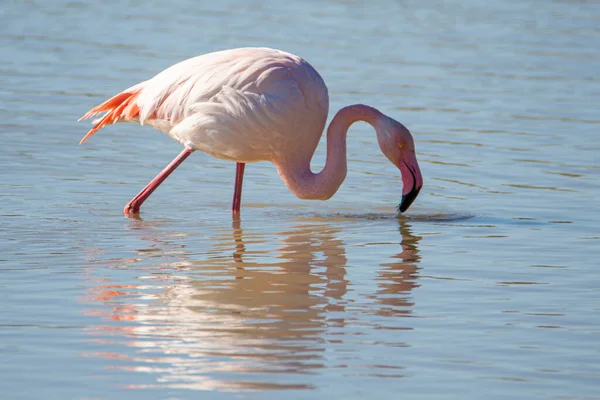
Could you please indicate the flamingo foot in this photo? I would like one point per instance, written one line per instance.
(131, 209)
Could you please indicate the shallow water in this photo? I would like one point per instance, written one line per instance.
(488, 286)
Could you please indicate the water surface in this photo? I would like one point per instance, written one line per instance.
(488, 286)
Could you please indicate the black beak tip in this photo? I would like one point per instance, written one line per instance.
(408, 199)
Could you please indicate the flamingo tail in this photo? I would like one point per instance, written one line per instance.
(121, 107)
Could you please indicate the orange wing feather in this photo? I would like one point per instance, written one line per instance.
(120, 107)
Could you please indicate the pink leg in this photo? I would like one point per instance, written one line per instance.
(237, 191)
(133, 207)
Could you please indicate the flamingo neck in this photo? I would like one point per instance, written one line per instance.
(321, 186)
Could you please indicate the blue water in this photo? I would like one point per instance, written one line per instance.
(487, 287)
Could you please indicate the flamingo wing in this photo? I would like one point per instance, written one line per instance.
(217, 101)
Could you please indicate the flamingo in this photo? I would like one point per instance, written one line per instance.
(256, 104)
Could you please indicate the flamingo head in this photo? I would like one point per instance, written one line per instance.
(397, 144)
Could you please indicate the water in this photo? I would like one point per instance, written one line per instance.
(488, 286)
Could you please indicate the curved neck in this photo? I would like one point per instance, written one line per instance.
(321, 186)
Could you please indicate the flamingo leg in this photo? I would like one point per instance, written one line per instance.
(237, 191)
(133, 207)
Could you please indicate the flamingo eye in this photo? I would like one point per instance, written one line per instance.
(401, 147)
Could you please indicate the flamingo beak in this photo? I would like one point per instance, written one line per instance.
(407, 199)
(412, 181)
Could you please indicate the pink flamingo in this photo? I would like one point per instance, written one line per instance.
(256, 104)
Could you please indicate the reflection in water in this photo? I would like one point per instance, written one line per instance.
(397, 278)
(240, 314)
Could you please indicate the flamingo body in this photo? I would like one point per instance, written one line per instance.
(248, 105)
(243, 105)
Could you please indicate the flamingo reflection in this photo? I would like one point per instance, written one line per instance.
(244, 311)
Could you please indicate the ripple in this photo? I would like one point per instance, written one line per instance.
(522, 186)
